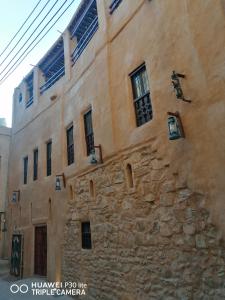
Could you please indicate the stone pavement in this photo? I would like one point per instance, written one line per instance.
(7, 282)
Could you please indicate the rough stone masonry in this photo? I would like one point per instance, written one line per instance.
(151, 241)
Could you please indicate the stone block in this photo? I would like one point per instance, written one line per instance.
(165, 230)
(189, 229)
(167, 199)
(149, 198)
(200, 241)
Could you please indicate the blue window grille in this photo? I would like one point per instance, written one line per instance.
(83, 27)
(29, 82)
(114, 5)
(53, 66)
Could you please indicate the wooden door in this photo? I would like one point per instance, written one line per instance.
(40, 251)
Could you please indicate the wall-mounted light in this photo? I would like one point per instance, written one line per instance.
(177, 86)
(59, 180)
(96, 158)
(175, 126)
(16, 196)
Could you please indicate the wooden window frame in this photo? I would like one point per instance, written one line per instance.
(142, 103)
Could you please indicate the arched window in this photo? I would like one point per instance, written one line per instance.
(71, 192)
(129, 174)
(92, 189)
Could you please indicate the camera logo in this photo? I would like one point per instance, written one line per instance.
(15, 288)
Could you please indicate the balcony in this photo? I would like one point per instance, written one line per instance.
(29, 83)
(83, 27)
(52, 66)
(114, 5)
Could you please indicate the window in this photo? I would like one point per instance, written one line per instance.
(83, 27)
(25, 169)
(92, 188)
(86, 235)
(129, 176)
(52, 66)
(89, 134)
(70, 146)
(114, 5)
(141, 94)
(35, 174)
(29, 85)
(49, 158)
(20, 97)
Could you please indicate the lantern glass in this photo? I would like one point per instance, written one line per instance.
(57, 184)
(174, 128)
(93, 159)
(14, 197)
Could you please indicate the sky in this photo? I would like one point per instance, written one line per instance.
(12, 15)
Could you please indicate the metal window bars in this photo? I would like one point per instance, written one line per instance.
(55, 77)
(114, 5)
(85, 39)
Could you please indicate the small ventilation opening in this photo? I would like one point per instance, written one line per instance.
(92, 189)
(129, 173)
(71, 192)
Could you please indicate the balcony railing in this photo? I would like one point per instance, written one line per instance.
(29, 102)
(114, 5)
(55, 77)
(85, 39)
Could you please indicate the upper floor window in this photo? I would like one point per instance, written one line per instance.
(141, 95)
(89, 134)
(35, 174)
(70, 145)
(86, 235)
(114, 5)
(29, 92)
(25, 169)
(52, 66)
(49, 158)
(83, 27)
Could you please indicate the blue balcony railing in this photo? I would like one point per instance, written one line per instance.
(29, 102)
(114, 5)
(55, 77)
(85, 39)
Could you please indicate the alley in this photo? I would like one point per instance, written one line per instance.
(9, 286)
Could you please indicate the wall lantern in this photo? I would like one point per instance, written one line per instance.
(59, 180)
(96, 157)
(175, 126)
(2, 219)
(177, 86)
(16, 196)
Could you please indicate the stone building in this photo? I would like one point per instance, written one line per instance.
(117, 162)
(4, 156)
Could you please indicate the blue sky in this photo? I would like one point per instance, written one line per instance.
(13, 14)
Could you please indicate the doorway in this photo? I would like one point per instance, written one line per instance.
(40, 251)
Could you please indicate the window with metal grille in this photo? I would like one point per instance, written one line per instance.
(70, 146)
(25, 169)
(35, 174)
(83, 27)
(53, 66)
(49, 158)
(141, 94)
(86, 235)
(89, 134)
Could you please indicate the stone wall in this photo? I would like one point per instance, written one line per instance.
(154, 240)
